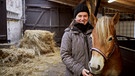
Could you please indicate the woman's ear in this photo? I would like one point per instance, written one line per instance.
(93, 20)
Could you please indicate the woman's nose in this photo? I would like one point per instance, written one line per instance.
(82, 18)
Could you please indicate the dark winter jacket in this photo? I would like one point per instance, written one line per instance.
(74, 50)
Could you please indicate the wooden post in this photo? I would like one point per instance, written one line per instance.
(97, 6)
(3, 22)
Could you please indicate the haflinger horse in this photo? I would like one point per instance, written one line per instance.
(106, 57)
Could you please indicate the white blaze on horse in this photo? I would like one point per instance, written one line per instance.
(106, 58)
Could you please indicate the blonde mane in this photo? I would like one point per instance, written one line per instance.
(103, 28)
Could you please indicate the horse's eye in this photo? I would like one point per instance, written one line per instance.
(110, 39)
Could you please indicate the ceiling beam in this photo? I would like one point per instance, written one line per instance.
(121, 5)
(118, 7)
(127, 3)
(66, 2)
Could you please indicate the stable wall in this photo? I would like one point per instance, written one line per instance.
(126, 28)
(14, 20)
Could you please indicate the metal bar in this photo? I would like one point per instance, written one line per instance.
(103, 11)
(127, 48)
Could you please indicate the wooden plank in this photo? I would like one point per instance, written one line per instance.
(66, 2)
(3, 22)
(118, 7)
(122, 5)
(126, 3)
(97, 6)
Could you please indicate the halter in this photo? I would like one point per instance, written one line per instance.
(100, 52)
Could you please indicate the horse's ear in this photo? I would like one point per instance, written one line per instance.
(93, 20)
(115, 18)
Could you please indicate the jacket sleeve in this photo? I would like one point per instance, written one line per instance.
(66, 55)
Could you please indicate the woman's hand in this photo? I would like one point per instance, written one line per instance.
(86, 72)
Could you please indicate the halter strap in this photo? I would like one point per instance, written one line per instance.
(100, 52)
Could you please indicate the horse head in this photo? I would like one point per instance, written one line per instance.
(105, 58)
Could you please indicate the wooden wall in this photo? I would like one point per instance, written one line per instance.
(46, 15)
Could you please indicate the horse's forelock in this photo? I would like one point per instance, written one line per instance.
(102, 28)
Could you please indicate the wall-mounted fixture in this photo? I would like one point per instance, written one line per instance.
(110, 1)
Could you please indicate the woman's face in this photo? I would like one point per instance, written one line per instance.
(82, 17)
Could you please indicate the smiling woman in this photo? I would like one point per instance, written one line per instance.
(76, 43)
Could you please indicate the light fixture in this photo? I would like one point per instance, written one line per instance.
(110, 1)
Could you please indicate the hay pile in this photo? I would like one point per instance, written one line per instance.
(34, 66)
(34, 44)
(12, 56)
(40, 41)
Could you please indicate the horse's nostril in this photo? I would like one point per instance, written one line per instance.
(98, 67)
(95, 68)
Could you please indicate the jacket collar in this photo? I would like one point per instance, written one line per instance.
(77, 31)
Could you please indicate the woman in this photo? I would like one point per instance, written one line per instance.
(76, 43)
